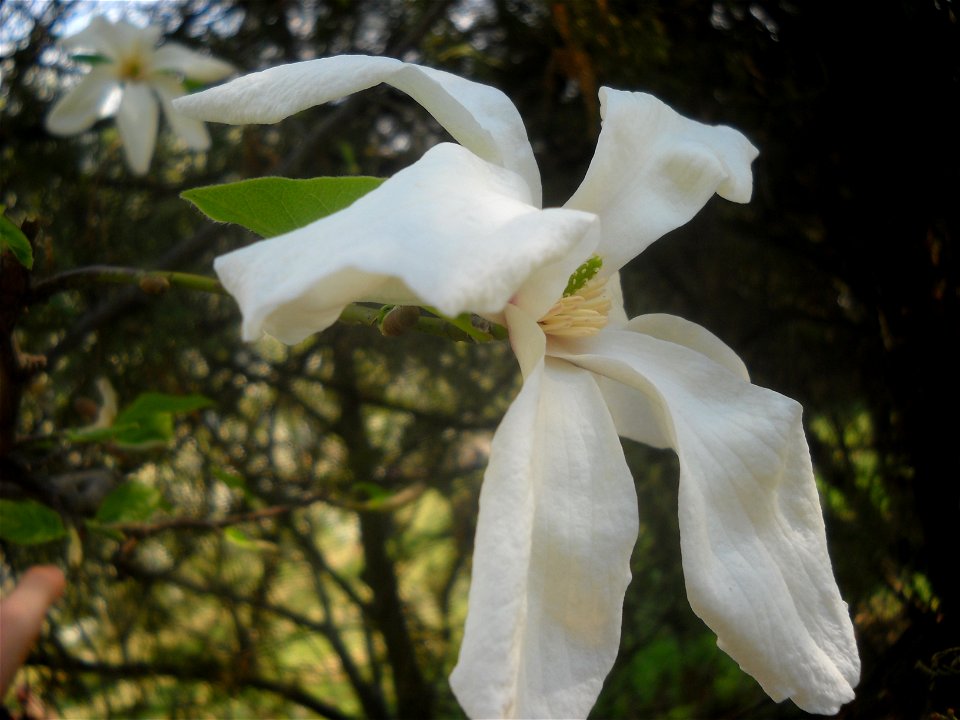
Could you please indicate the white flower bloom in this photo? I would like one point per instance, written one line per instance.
(142, 75)
(462, 230)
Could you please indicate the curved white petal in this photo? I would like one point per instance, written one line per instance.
(696, 337)
(137, 121)
(478, 116)
(279, 92)
(192, 132)
(451, 231)
(551, 564)
(617, 315)
(132, 41)
(545, 286)
(190, 63)
(97, 35)
(526, 338)
(752, 535)
(83, 105)
(117, 40)
(636, 414)
(653, 170)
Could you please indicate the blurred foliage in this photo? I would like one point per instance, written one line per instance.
(302, 547)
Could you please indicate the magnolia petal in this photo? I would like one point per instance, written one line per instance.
(542, 289)
(636, 415)
(448, 232)
(478, 116)
(696, 337)
(557, 524)
(190, 63)
(754, 547)
(127, 40)
(617, 315)
(137, 121)
(83, 105)
(192, 132)
(653, 170)
(527, 339)
(98, 35)
(117, 40)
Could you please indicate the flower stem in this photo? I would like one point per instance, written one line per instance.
(464, 324)
(150, 281)
(459, 329)
(155, 282)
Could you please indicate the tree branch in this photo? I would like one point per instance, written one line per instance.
(197, 670)
(152, 282)
(395, 501)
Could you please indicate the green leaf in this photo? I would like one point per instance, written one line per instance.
(101, 434)
(151, 403)
(272, 205)
(372, 490)
(105, 531)
(145, 422)
(27, 522)
(229, 479)
(236, 482)
(236, 536)
(13, 239)
(147, 431)
(90, 59)
(129, 502)
(148, 420)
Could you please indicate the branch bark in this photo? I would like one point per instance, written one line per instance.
(414, 694)
(198, 669)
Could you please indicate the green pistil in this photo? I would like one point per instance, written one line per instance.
(583, 274)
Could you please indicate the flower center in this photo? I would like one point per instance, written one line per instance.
(584, 307)
(132, 68)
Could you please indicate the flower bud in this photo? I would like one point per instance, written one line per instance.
(400, 319)
(154, 284)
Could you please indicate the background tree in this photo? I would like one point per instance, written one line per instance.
(301, 546)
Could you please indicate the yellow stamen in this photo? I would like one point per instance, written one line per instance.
(579, 315)
(132, 68)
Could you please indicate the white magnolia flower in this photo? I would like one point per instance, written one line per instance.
(462, 230)
(142, 75)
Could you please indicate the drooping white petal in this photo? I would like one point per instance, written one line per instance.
(190, 63)
(480, 117)
(192, 132)
(752, 535)
(688, 334)
(83, 105)
(557, 524)
(653, 170)
(450, 231)
(137, 121)
(635, 413)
